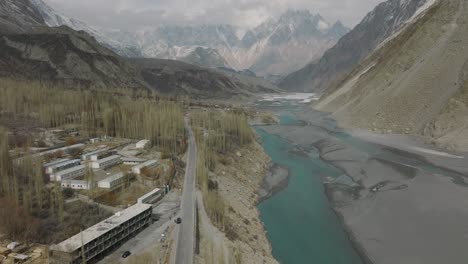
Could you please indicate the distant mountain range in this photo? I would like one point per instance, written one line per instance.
(276, 47)
(32, 48)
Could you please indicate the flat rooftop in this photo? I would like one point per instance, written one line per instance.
(113, 157)
(97, 151)
(64, 163)
(63, 172)
(55, 162)
(113, 177)
(88, 235)
(58, 149)
(146, 163)
(149, 194)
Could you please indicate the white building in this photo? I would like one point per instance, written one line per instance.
(62, 166)
(77, 184)
(132, 160)
(112, 181)
(70, 173)
(148, 164)
(95, 154)
(106, 162)
(151, 197)
(142, 144)
(53, 163)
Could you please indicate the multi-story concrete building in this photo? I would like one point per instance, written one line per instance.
(106, 162)
(68, 174)
(112, 181)
(62, 166)
(148, 164)
(103, 237)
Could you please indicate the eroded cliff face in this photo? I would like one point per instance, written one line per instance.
(415, 83)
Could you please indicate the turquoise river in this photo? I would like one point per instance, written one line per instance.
(300, 224)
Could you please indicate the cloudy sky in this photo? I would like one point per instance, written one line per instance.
(139, 14)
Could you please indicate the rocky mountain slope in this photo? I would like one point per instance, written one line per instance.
(175, 77)
(274, 47)
(66, 56)
(19, 16)
(416, 83)
(386, 19)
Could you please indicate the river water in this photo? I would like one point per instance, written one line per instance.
(301, 226)
(371, 182)
(299, 221)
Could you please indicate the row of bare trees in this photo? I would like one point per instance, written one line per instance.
(217, 133)
(98, 112)
(24, 196)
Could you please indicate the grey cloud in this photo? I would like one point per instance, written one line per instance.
(138, 14)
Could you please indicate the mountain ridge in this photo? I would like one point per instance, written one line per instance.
(30, 49)
(416, 83)
(378, 25)
(293, 39)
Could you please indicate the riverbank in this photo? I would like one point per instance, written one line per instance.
(238, 179)
(400, 202)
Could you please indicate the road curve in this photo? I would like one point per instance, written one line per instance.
(185, 244)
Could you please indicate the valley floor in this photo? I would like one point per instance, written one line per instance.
(401, 200)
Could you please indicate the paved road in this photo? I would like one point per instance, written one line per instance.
(185, 244)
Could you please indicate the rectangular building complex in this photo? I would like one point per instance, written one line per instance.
(106, 162)
(70, 173)
(65, 150)
(151, 197)
(62, 166)
(112, 181)
(53, 163)
(89, 155)
(148, 164)
(77, 184)
(142, 144)
(103, 237)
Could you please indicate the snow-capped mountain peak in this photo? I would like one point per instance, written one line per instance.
(277, 46)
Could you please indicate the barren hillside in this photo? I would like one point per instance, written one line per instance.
(414, 84)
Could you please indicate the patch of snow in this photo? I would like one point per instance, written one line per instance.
(322, 25)
(344, 88)
(422, 9)
(416, 15)
(240, 33)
